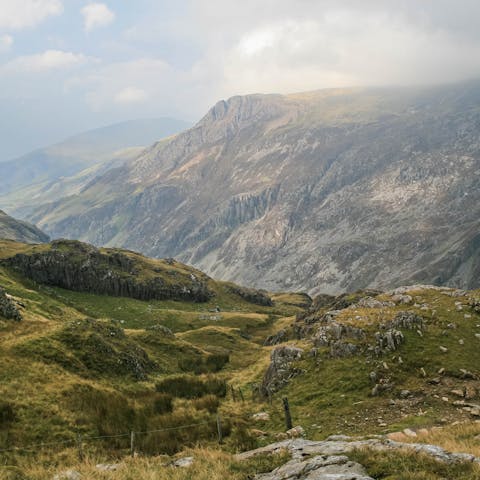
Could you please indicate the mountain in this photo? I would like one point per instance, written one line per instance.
(12, 229)
(330, 191)
(40, 176)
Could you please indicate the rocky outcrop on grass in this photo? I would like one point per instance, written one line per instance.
(8, 307)
(281, 369)
(251, 295)
(331, 458)
(81, 267)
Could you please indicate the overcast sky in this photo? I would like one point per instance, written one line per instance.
(72, 65)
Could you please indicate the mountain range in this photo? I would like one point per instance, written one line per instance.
(52, 172)
(325, 191)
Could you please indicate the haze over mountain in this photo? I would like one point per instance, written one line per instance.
(329, 191)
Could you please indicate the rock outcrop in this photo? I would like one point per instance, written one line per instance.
(330, 458)
(81, 267)
(281, 369)
(8, 307)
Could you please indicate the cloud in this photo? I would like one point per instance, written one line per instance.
(17, 14)
(293, 45)
(97, 15)
(48, 60)
(124, 84)
(6, 41)
(130, 95)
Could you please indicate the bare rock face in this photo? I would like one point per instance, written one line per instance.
(407, 320)
(13, 229)
(329, 459)
(317, 192)
(388, 341)
(81, 267)
(281, 369)
(337, 467)
(8, 307)
(276, 338)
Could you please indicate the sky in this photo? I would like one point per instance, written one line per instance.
(71, 65)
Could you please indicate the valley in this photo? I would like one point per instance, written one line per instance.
(400, 363)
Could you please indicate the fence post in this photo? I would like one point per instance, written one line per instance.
(288, 417)
(80, 447)
(233, 393)
(132, 443)
(219, 429)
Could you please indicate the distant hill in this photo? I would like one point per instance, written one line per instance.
(326, 191)
(12, 229)
(82, 151)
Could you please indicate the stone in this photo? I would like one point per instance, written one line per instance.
(402, 299)
(342, 349)
(261, 417)
(457, 393)
(8, 307)
(443, 349)
(275, 339)
(68, 475)
(296, 432)
(388, 341)
(108, 467)
(281, 369)
(409, 433)
(183, 462)
(320, 467)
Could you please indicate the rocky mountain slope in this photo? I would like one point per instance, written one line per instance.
(324, 191)
(63, 169)
(12, 229)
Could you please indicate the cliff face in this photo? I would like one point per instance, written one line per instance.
(323, 191)
(12, 229)
(77, 266)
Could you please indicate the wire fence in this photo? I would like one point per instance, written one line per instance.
(132, 434)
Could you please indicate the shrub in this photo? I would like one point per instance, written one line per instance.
(7, 414)
(208, 402)
(162, 403)
(188, 386)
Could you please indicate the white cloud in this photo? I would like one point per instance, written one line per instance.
(130, 95)
(97, 15)
(6, 41)
(17, 14)
(48, 60)
(126, 84)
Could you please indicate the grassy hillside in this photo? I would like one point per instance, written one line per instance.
(100, 366)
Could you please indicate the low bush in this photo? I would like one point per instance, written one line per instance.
(208, 402)
(188, 386)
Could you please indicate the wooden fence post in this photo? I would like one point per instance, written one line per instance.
(288, 417)
(132, 443)
(80, 447)
(219, 429)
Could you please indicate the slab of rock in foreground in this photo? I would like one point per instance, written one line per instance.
(318, 468)
(301, 448)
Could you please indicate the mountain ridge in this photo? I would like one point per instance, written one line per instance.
(308, 191)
